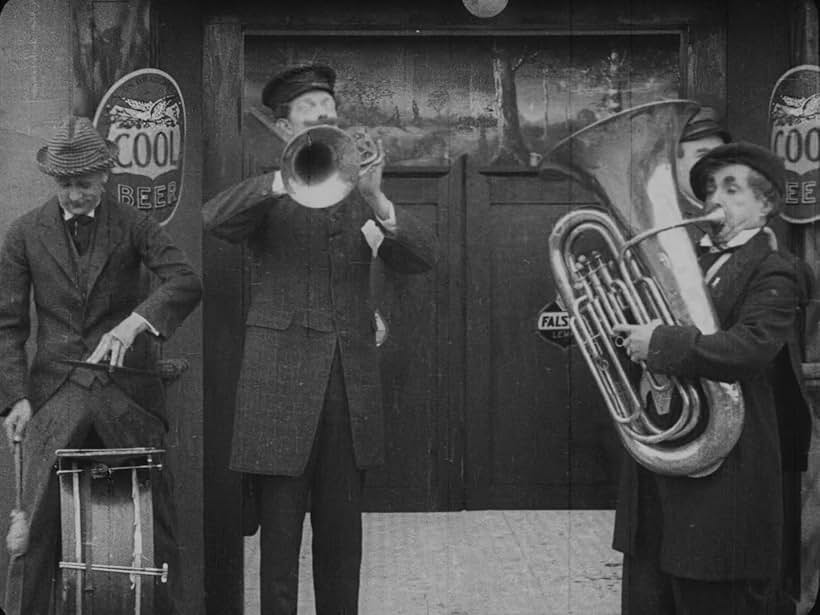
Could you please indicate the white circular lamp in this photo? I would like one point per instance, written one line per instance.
(485, 8)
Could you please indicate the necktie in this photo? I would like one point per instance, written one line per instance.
(80, 228)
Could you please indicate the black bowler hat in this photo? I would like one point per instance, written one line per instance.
(762, 160)
(705, 123)
(289, 84)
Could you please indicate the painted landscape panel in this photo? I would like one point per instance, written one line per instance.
(500, 100)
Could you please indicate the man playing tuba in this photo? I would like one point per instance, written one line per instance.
(715, 544)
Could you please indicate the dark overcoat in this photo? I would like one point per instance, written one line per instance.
(730, 525)
(309, 292)
(71, 316)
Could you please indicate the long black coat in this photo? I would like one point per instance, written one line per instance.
(71, 317)
(309, 290)
(730, 524)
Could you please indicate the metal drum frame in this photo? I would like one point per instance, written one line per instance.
(106, 509)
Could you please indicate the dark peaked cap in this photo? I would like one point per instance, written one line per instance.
(705, 123)
(289, 84)
(762, 160)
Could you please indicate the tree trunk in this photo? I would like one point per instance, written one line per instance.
(614, 98)
(511, 148)
(110, 40)
(545, 85)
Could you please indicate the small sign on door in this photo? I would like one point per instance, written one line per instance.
(553, 325)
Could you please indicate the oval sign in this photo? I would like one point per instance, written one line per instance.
(143, 113)
(794, 135)
(553, 324)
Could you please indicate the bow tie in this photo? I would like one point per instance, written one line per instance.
(81, 219)
(715, 249)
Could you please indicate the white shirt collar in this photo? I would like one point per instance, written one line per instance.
(68, 215)
(738, 240)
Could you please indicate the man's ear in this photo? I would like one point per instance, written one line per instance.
(284, 125)
(768, 209)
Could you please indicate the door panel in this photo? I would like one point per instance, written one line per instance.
(412, 360)
(537, 435)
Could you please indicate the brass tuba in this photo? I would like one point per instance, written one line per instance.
(634, 263)
(322, 164)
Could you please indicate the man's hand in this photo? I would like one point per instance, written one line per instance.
(636, 339)
(114, 344)
(370, 186)
(17, 420)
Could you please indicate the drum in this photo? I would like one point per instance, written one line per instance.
(107, 517)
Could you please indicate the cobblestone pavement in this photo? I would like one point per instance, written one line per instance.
(513, 562)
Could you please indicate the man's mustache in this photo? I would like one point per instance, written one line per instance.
(323, 121)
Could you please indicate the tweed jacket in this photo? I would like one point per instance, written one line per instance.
(309, 292)
(730, 525)
(36, 261)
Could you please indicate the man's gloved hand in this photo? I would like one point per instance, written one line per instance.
(114, 344)
(17, 420)
(17, 538)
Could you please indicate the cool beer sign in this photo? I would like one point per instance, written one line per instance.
(794, 120)
(144, 115)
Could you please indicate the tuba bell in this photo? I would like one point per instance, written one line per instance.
(634, 263)
(322, 164)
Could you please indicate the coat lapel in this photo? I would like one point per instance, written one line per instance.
(728, 284)
(54, 238)
(107, 237)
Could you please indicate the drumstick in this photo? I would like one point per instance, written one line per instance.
(18, 474)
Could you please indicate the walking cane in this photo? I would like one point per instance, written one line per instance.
(17, 538)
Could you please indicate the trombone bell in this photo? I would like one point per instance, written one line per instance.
(321, 165)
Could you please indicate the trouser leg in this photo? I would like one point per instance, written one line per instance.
(62, 422)
(336, 496)
(282, 503)
(645, 588)
(810, 544)
(742, 597)
(122, 423)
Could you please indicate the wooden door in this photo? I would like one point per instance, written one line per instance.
(421, 364)
(537, 432)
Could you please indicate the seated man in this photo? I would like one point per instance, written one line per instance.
(79, 257)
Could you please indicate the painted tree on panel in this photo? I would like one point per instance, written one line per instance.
(511, 146)
(107, 45)
(614, 69)
(438, 99)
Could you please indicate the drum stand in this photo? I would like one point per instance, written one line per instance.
(106, 510)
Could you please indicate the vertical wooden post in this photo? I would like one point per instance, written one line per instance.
(110, 39)
(804, 238)
(223, 317)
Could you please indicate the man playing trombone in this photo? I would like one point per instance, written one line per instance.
(715, 544)
(309, 414)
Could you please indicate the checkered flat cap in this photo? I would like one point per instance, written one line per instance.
(76, 149)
